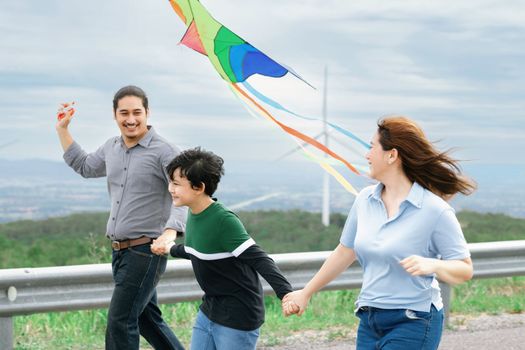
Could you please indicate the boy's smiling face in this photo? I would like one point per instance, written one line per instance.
(181, 190)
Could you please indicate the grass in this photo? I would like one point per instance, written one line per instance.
(76, 239)
(328, 310)
(493, 296)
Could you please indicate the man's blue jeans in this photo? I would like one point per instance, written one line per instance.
(399, 329)
(133, 308)
(208, 335)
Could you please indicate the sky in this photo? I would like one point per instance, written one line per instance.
(454, 66)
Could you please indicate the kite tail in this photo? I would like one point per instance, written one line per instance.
(326, 166)
(277, 105)
(298, 135)
(178, 10)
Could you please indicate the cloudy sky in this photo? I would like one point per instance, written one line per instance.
(456, 66)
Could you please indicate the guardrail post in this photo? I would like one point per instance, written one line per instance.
(6, 333)
(446, 295)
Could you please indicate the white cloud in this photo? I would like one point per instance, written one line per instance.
(454, 65)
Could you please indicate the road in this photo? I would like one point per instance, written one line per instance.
(485, 332)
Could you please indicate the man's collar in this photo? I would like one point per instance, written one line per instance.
(145, 140)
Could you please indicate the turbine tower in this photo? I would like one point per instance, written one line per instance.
(325, 216)
(325, 135)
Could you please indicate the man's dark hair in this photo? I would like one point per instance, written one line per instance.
(130, 90)
(199, 167)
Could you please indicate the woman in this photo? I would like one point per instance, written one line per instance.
(405, 235)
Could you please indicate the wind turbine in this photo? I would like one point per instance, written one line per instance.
(325, 215)
(327, 136)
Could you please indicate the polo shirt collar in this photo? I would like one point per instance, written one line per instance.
(415, 196)
(376, 193)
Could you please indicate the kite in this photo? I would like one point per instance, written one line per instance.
(236, 60)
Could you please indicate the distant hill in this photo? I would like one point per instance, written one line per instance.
(80, 239)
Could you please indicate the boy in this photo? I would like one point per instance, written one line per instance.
(224, 257)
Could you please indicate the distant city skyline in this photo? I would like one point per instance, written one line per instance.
(454, 66)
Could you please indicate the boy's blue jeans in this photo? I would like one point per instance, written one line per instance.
(399, 329)
(208, 335)
(133, 308)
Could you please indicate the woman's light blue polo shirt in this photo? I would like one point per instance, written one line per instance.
(425, 225)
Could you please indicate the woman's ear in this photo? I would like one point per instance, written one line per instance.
(393, 156)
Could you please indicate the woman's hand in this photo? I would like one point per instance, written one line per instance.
(417, 265)
(295, 303)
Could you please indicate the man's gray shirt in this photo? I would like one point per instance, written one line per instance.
(137, 183)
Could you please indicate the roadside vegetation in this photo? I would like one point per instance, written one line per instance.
(79, 239)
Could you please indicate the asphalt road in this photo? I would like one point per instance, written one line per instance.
(486, 332)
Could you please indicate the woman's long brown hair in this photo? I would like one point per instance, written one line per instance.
(421, 161)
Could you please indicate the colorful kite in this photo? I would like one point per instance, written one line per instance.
(236, 60)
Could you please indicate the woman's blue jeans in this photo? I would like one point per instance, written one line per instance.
(399, 329)
(133, 310)
(208, 335)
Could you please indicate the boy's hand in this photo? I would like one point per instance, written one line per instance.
(161, 247)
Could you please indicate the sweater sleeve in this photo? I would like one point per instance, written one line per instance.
(178, 251)
(257, 258)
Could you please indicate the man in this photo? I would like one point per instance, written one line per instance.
(141, 211)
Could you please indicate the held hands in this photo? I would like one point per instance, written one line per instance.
(161, 246)
(295, 303)
(417, 265)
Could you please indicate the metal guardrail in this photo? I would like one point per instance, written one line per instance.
(66, 288)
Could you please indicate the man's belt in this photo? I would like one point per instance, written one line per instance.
(119, 245)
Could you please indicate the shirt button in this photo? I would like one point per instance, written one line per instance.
(113, 219)
(118, 202)
(125, 168)
(127, 152)
(121, 185)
